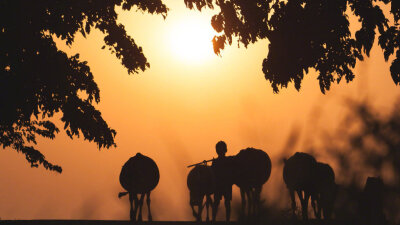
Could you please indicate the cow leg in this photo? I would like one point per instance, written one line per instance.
(253, 201)
(257, 202)
(306, 198)
(208, 203)
(250, 202)
(148, 206)
(228, 209)
(304, 203)
(314, 204)
(327, 210)
(193, 203)
(132, 212)
(193, 210)
(200, 208)
(318, 205)
(292, 197)
(243, 196)
(215, 206)
(140, 207)
(300, 194)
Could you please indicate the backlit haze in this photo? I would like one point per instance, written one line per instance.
(175, 112)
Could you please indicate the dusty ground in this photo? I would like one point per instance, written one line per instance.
(116, 222)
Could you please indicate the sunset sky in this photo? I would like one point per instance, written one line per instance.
(175, 112)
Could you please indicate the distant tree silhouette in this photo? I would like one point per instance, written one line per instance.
(38, 80)
(374, 143)
(307, 34)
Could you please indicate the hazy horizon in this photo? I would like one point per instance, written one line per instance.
(175, 112)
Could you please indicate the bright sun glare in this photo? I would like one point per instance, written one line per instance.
(190, 39)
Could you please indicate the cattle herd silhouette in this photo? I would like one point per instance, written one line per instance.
(308, 178)
(249, 170)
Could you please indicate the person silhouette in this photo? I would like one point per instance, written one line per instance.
(223, 170)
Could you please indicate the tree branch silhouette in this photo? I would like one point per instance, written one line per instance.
(37, 79)
(307, 34)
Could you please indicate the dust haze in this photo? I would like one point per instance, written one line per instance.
(178, 123)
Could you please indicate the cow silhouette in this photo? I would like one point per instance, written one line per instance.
(250, 169)
(309, 178)
(324, 192)
(298, 176)
(139, 176)
(253, 169)
(201, 183)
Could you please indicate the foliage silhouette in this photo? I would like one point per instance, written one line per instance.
(306, 34)
(38, 80)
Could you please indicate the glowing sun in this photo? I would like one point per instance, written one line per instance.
(190, 39)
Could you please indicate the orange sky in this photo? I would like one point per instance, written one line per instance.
(175, 112)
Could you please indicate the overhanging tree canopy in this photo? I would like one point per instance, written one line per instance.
(38, 80)
(306, 34)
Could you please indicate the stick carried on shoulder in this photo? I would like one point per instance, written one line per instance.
(202, 163)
